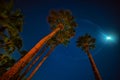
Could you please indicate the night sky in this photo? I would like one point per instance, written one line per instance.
(99, 18)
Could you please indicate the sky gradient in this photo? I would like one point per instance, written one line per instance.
(99, 18)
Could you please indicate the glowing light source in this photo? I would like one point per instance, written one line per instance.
(108, 38)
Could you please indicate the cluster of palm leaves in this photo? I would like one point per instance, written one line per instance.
(62, 16)
(86, 42)
(5, 63)
(65, 18)
(10, 27)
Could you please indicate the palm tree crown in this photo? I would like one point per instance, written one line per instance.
(65, 20)
(63, 17)
(86, 42)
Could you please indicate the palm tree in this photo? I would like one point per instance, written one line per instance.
(59, 38)
(60, 21)
(62, 37)
(86, 43)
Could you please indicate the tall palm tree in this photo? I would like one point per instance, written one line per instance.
(59, 38)
(86, 43)
(60, 21)
(62, 37)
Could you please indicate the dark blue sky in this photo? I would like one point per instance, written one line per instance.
(71, 63)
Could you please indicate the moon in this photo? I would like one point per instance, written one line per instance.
(108, 38)
(111, 38)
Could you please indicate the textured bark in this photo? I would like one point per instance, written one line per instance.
(95, 70)
(41, 62)
(29, 67)
(23, 61)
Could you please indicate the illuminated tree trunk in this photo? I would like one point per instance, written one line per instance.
(29, 67)
(23, 61)
(41, 62)
(95, 70)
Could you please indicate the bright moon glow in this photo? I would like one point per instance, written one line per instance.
(108, 38)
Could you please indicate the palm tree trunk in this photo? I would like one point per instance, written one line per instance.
(95, 70)
(41, 62)
(23, 61)
(29, 67)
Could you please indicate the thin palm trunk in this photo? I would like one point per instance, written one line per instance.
(23, 61)
(41, 62)
(29, 67)
(95, 70)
